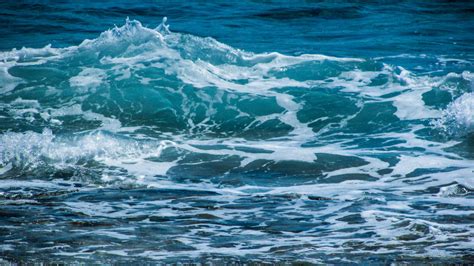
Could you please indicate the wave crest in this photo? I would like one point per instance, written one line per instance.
(458, 117)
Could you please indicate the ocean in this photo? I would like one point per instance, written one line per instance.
(237, 132)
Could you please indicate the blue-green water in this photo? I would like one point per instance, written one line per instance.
(250, 131)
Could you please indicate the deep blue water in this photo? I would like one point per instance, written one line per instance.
(250, 131)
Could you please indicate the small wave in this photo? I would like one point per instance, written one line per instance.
(133, 80)
(31, 150)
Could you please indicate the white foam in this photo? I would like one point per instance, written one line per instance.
(458, 117)
(88, 78)
(32, 150)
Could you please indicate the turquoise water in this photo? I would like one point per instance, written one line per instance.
(250, 131)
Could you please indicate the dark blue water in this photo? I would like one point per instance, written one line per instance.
(250, 131)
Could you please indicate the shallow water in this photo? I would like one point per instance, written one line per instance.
(256, 131)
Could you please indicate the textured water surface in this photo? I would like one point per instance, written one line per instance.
(256, 131)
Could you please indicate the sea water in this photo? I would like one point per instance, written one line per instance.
(250, 131)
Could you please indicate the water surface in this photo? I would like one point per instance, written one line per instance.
(250, 131)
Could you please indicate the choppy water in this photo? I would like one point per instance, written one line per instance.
(310, 131)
